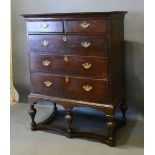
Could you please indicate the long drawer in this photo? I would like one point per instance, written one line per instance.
(96, 67)
(69, 51)
(49, 42)
(84, 89)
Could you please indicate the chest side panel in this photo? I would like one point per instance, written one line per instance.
(116, 59)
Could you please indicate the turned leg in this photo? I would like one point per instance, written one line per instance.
(68, 118)
(32, 112)
(55, 108)
(111, 128)
(123, 108)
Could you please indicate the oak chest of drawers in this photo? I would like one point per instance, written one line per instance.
(77, 59)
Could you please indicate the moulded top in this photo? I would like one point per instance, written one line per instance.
(73, 14)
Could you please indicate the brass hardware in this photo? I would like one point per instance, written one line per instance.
(66, 59)
(44, 25)
(46, 63)
(64, 39)
(85, 44)
(48, 83)
(44, 43)
(85, 25)
(86, 65)
(87, 88)
(67, 79)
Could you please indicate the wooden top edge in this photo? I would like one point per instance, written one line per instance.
(72, 14)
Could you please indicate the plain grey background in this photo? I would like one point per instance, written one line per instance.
(134, 39)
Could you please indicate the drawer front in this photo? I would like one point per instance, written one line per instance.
(87, 42)
(45, 42)
(87, 26)
(73, 88)
(47, 85)
(49, 42)
(75, 51)
(45, 26)
(96, 67)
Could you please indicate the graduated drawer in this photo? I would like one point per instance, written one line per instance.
(74, 51)
(96, 67)
(45, 26)
(49, 42)
(87, 26)
(84, 89)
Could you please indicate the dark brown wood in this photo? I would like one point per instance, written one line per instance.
(74, 15)
(58, 65)
(69, 118)
(95, 26)
(72, 41)
(72, 89)
(54, 108)
(123, 107)
(45, 26)
(32, 112)
(74, 51)
(77, 65)
(108, 109)
(116, 59)
(68, 131)
(111, 128)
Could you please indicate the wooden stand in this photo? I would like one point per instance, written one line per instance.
(112, 123)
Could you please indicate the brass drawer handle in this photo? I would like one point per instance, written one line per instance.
(64, 38)
(46, 63)
(87, 88)
(44, 25)
(66, 79)
(86, 65)
(44, 43)
(48, 83)
(85, 25)
(66, 59)
(85, 44)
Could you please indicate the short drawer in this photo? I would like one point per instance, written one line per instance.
(49, 42)
(45, 26)
(70, 87)
(87, 26)
(96, 67)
